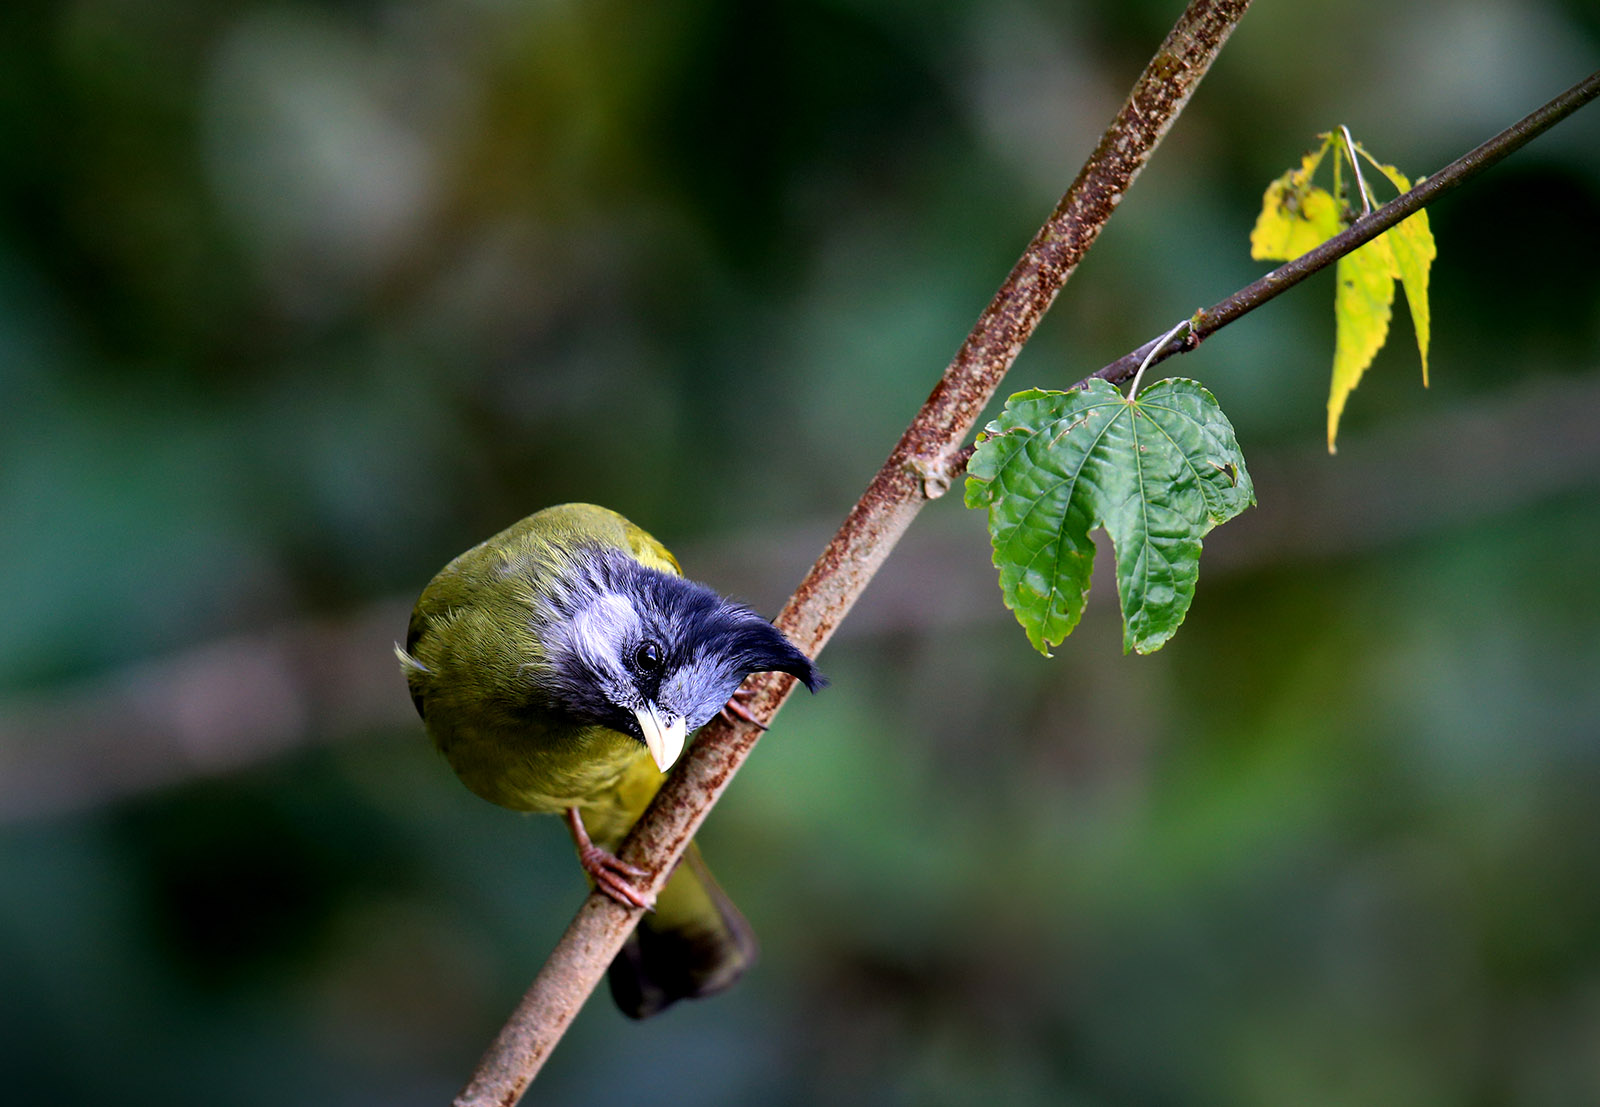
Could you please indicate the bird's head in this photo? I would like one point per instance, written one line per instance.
(650, 654)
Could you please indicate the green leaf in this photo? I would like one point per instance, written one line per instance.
(1157, 473)
(1361, 311)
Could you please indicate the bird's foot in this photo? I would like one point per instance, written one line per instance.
(612, 875)
(735, 709)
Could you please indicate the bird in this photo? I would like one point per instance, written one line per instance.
(559, 666)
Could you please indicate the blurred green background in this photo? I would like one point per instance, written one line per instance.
(299, 300)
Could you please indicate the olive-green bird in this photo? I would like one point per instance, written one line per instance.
(559, 667)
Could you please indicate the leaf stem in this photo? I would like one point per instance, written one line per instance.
(1186, 325)
(1355, 167)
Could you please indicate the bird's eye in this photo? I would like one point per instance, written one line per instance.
(647, 657)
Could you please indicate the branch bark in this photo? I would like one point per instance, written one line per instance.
(920, 468)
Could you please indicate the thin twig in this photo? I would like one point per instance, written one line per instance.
(920, 468)
(1209, 320)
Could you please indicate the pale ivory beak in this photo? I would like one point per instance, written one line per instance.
(663, 734)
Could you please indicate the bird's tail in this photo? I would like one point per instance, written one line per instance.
(695, 943)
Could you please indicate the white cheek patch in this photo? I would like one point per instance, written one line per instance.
(596, 632)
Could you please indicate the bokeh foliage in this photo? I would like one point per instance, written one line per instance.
(298, 300)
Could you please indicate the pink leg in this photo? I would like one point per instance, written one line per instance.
(611, 875)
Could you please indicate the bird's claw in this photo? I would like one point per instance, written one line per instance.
(611, 875)
(615, 877)
(735, 709)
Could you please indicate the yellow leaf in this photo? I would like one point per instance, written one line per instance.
(1361, 310)
(1296, 216)
(1414, 251)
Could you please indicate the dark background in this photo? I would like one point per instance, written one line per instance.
(299, 300)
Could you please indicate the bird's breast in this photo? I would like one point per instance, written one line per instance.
(544, 770)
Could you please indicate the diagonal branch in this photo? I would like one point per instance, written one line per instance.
(919, 469)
